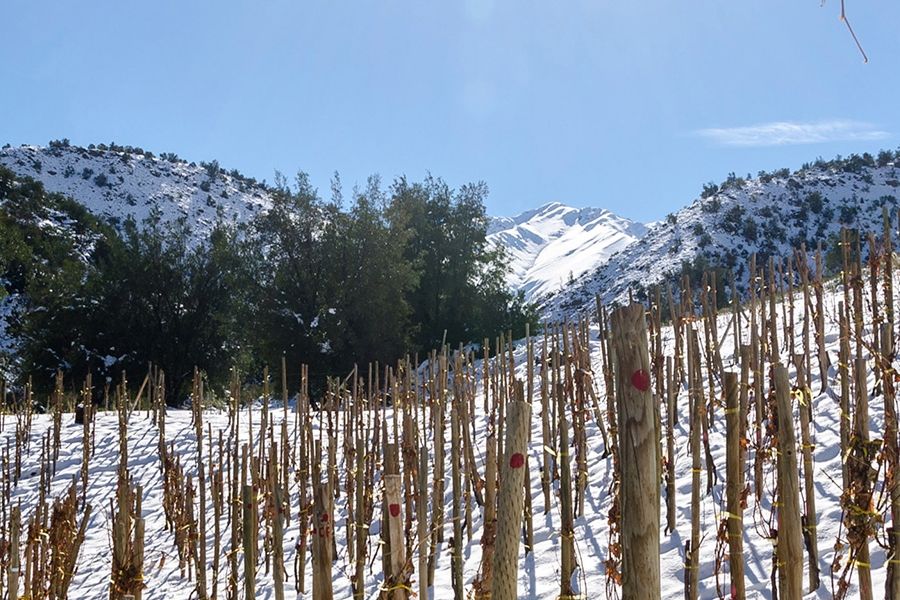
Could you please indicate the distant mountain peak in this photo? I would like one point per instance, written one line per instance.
(555, 243)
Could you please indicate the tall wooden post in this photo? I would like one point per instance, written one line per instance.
(734, 485)
(248, 531)
(892, 453)
(322, 549)
(422, 521)
(671, 420)
(511, 502)
(844, 372)
(567, 525)
(14, 559)
(637, 456)
(695, 395)
(809, 516)
(790, 535)
(397, 559)
(861, 474)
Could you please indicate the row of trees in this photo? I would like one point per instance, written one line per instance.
(329, 283)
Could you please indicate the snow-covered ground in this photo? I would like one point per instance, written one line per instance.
(538, 572)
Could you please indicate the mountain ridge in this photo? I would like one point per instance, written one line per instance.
(555, 243)
(770, 215)
(560, 256)
(119, 182)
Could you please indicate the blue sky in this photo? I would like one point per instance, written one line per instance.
(630, 105)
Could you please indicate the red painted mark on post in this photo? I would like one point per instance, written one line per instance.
(395, 510)
(516, 460)
(324, 517)
(641, 380)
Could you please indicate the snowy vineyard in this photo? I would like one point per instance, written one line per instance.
(733, 453)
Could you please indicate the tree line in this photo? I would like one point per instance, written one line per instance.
(392, 270)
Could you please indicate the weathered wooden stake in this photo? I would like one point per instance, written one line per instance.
(511, 502)
(790, 534)
(734, 486)
(637, 456)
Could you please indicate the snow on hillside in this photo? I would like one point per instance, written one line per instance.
(117, 184)
(770, 216)
(8, 343)
(538, 572)
(553, 244)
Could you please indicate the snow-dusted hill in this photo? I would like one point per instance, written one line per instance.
(770, 215)
(123, 182)
(551, 245)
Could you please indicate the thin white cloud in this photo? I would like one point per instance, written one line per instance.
(787, 133)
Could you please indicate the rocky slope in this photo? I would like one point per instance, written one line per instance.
(770, 215)
(117, 182)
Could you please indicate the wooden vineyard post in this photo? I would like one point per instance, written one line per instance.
(809, 516)
(757, 354)
(695, 395)
(14, 560)
(511, 502)
(860, 474)
(456, 559)
(483, 582)
(529, 398)
(844, 371)
(734, 486)
(277, 528)
(137, 556)
(128, 542)
(304, 435)
(362, 505)
(790, 535)
(546, 437)
(671, 419)
(422, 521)
(567, 526)
(744, 399)
(88, 415)
(819, 316)
(395, 584)
(639, 467)
(199, 530)
(437, 503)
(235, 501)
(892, 452)
(322, 549)
(248, 530)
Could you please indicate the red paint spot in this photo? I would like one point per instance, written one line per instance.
(324, 517)
(395, 510)
(641, 380)
(516, 460)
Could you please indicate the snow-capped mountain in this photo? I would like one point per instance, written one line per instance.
(770, 215)
(550, 246)
(116, 182)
